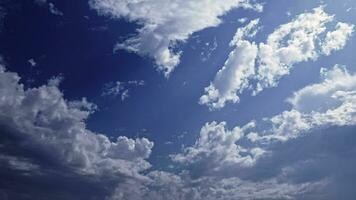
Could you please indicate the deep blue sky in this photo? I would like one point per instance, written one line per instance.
(78, 46)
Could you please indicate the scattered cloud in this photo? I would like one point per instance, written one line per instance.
(216, 150)
(32, 62)
(56, 127)
(51, 7)
(263, 65)
(120, 88)
(208, 49)
(162, 28)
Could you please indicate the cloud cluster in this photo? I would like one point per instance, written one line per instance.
(216, 149)
(331, 102)
(45, 120)
(256, 67)
(42, 125)
(224, 155)
(166, 23)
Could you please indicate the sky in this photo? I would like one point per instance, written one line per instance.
(177, 99)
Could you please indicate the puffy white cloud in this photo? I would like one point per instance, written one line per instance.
(216, 149)
(166, 23)
(328, 103)
(238, 68)
(291, 43)
(331, 102)
(337, 39)
(46, 120)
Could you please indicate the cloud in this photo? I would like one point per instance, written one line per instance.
(266, 63)
(42, 131)
(43, 118)
(216, 150)
(328, 103)
(233, 77)
(331, 102)
(166, 185)
(51, 7)
(32, 62)
(120, 88)
(336, 40)
(283, 156)
(164, 24)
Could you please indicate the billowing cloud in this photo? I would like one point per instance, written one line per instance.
(328, 103)
(217, 166)
(262, 66)
(166, 23)
(216, 149)
(336, 40)
(43, 118)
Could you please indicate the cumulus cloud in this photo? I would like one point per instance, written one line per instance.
(336, 40)
(216, 150)
(233, 77)
(291, 43)
(331, 102)
(166, 23)
(46, 120)
(328, 103)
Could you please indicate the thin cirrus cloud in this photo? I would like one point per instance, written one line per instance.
(164, 24)
(260, 66)
(120, 88)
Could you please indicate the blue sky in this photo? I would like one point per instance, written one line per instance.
(177, 99)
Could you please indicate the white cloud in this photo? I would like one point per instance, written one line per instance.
(216, 149)
(32, 62)
(328, 103)
(51, 7)
(121, 89)
(54, 10)
(57, 126)
(165, 185)
(266, 63)
(44, 118)
(166, 23)
(337, 39)
(233, 77)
